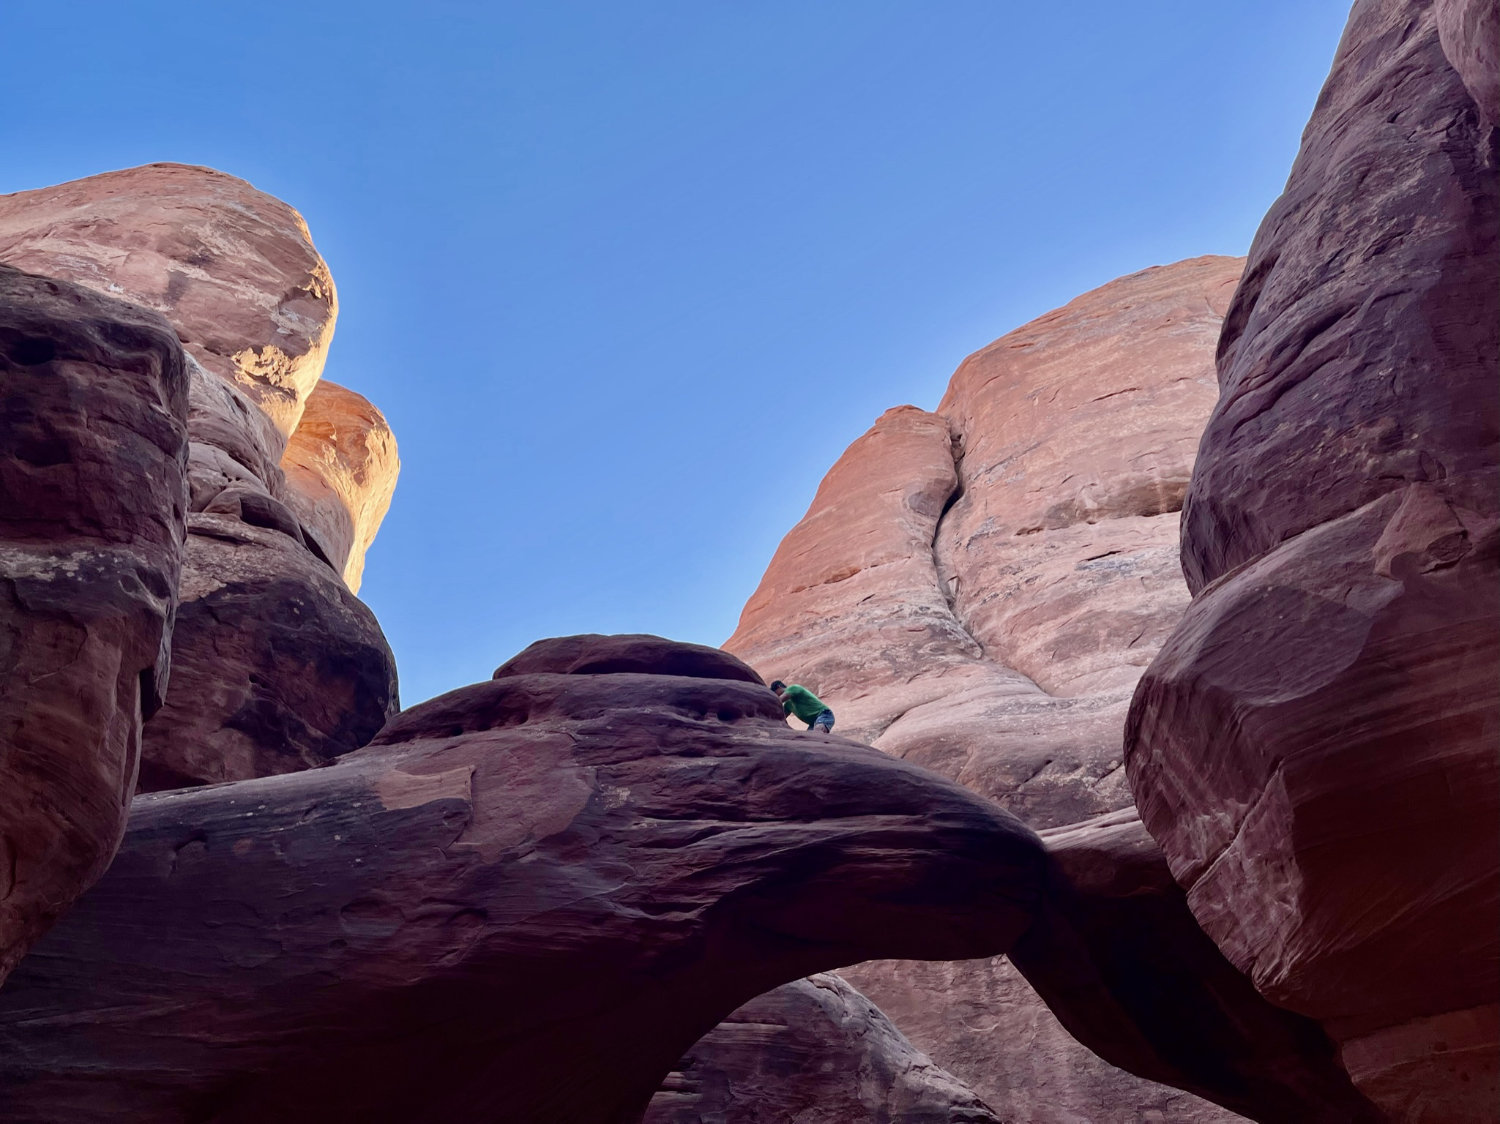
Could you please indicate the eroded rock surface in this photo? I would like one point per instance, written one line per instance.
(943, 591)
(279, 667)
(522, 882)
(977, 589)
(93, 448)
(1357, 372)
(817, 1052)
(1077, 433)
(1117, 955)
(1314, 747)
(231, 267)
(1470, 33)
(341, 467)
(1114, 951)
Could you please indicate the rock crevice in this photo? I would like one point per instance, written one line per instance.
(983, 653)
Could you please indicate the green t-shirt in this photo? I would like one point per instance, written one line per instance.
(801, 702)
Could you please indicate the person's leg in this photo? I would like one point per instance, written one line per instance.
(823, 722)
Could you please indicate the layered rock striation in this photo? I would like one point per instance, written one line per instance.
(1314, 747)
(527, 899)
(524, 900)
(93, 452)
(1115, 953)
(279, 666)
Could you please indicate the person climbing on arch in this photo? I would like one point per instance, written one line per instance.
(805, 705)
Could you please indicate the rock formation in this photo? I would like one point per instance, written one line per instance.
(341, 467)
(232, 268)
(942, 590)
(1314, 747)
(1115, 953)
(524, 900)
(279, 667)
(977, 589)
(527, 898)
(818, 1052)
(1117, 956)
(93, 451)
(1469, 31)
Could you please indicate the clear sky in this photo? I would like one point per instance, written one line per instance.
(626, 276)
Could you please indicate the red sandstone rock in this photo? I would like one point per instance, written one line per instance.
(1470, 33)
(231, 267)
(1357, 372)
(1002, 1040)
(232, 444)
(1314, 747)
(938, 591)
(93, 445)
(524, 900)
(341, 468)
(235, 272)
(817, 1052)
(1116, 954)
(278, 667)
(1077, 435)
(594, 654)
(976, 591)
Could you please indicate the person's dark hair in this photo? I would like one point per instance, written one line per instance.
(777, 685)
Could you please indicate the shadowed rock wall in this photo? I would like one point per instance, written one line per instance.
(523, 901)
(93, 453)
(1314, 747)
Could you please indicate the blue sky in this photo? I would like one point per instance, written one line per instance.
(627, 277)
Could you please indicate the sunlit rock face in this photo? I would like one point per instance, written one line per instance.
(93, 456)
(234, 270)
(231, 267)
(341, 466)
(524, 900)
(977, 590)
(280, 667)
(1077, 434)
(817, 1052)
(1314, 747)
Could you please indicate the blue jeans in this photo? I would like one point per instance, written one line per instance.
(822, 722)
